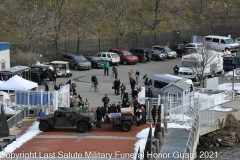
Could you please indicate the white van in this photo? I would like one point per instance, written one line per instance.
(163, 80)
(220, 43)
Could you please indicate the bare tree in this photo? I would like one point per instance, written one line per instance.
(202, 64)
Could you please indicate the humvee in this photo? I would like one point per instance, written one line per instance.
(64, 117)
(124, 120)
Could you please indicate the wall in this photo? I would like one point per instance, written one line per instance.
(172, 89)
(4, 55)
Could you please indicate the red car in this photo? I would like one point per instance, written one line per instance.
(125, 56)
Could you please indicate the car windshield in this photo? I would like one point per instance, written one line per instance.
(80, 58)
(229, 41)
(96, 59)
(114, 56)
(127, 53)
(167, 49)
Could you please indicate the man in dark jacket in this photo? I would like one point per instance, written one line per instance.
(154, 114)
(105, 100)
(116, 86)
(103, 110)
(176, 70)
(115, 71)
(46, 88)
(99, 117)
(133, 84)
(123, 89)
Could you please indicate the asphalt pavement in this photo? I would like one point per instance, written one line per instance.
(82, 79)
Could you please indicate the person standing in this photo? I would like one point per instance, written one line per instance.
(116, 86)
(99, 117)
(130, 75)
(73, 86)
(154, 114)
(46, 87)
(44, 76)
(105, 100)
(143, 115)
(123, 89)
(87, 103)
(106, 67)
(115, 71)
(95, 83)
(176, 68)
(133, 84)
(137, 74)
(139, 116)
(149, 93)
(55, 87)
(54, 75)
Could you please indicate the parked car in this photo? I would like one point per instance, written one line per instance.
(158, 55)
(112, 58)
(197, 46)
(179, 48)
(76, 61)
(143, 54)
(96, 62)
(125, 56)
(166, 49)
(36, 71)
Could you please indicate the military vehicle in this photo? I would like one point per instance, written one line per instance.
(124, 120)
(63, 117)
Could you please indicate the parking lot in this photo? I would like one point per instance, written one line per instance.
(82, 79)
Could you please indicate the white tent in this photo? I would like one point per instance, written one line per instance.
(18, 83)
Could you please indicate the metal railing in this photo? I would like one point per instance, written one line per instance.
(192, 139)
(17, 117)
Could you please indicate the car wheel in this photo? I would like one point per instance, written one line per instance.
(76, 67)
(153, 58)
(43, 126)
(124, 62)
(94, 66)
(67, 75)
(126, 126)
(82, 127)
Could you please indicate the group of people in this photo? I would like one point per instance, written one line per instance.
(102, 112)
(77, 101)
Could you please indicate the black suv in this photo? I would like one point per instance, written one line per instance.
(76, 61)
(144, 54)
(36, 71)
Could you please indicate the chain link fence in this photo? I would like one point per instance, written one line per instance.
(54, 49)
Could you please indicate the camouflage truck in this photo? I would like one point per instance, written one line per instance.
(64, 117)
(124, 120)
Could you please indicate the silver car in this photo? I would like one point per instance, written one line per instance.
(166, 49)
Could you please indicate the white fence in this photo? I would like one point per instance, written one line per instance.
(50, 99)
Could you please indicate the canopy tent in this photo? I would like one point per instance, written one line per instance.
(18, 83)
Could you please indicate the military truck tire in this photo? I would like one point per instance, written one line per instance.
(126, 126)
(43, 126)
(82, 127)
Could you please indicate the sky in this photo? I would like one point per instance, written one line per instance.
(142, 135)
